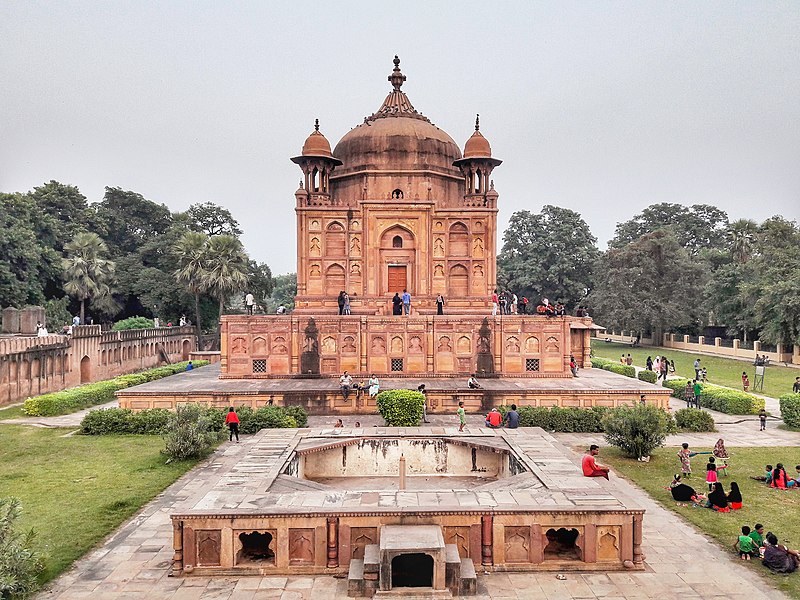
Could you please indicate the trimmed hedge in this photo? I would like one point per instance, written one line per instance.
(400, 408)
(561, 420)
(614, 367)
(92, 394)
(790, 409)
(694, 419)
(722, 399)
(647, 376)
(637, 430)
(112, 421)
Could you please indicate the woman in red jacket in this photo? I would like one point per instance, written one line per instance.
(232, 421)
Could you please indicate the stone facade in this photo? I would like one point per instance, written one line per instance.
(30, 366)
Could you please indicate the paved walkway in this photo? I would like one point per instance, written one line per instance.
(135, 561)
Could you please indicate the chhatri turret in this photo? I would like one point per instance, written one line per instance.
(477, 166)
(317, 162)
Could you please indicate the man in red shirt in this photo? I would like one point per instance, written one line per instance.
(494, 419)
(590, 467)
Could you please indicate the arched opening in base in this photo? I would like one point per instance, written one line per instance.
(412, 570)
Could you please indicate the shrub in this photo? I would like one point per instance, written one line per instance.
(562, 420)
(400, 408)
(266, 417)
(191, 433)
(637, 430)
(721, 399)
(20, 564)
(133, 323)
(694, 419)
(299, 414)
(648, 376)
(790, 409)
(92, 394)
(608, 365)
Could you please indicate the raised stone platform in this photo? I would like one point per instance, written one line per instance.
(593, 387)
(262, 517)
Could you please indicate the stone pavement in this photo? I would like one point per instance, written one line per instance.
(134, 562)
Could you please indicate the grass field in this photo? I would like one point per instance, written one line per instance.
(76, 490)
(778, 510)
(722, 371)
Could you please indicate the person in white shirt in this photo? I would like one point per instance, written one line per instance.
(249, 302)
(346, 383)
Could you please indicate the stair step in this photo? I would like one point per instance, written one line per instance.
(468, 585)
(355, 579)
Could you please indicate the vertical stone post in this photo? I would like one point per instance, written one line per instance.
(486, 539)
(333, 542)
(402, 472)
(177, 545)
(638, 557)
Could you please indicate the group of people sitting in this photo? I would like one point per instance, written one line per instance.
(495, 419)
(777, 478)
(551, 310)
(716, 500)
(775, 556)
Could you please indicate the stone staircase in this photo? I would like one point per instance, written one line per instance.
(363, 580)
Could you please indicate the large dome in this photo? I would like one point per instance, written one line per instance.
(397, 138)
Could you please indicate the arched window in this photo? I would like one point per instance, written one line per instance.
(397, 242)
(397, 194)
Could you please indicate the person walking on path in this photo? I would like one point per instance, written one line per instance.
(590, 467)
(462, 416)
(698, 390)
(762, 417)
(688, 394)
(697, 368)
(406, 302)
(249, 302)
(796, 386)
(439, 304)
(232, 421)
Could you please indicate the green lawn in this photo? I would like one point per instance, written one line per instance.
(76, 490)
(778, 510)
(11, 412)
(722, 371)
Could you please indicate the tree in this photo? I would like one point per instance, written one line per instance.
(260, 282)
(551, 254)
(648, 285)
(87, 271)
(127, 220)
(696, 227)
(225, 268)
(741, 239)
(283, 292)
(212, 219)
(191, 255)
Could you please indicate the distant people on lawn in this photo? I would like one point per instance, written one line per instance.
(688, 393)
(189, 366)
(697, 387)
(711, 473)
(762, 417)
(735, 496)
(796, 386)
(590, 467)
(778, 558)
(685, 455)
(649, 363)
(745, 381)
(697, 368)
(779, 479)
(682, 492)
(745, 545)
(717, 499)
(629, 360)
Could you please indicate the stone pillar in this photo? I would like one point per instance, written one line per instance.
(701, 339)
(177, 545)
(486, 539)
(717, 342)
(537, 544)
(10, 320)
(333, 542)
(590, 543)
(757, 346)
(638, 557)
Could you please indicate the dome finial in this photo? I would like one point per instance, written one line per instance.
(316, 124)
(477, 122)
(396, 78)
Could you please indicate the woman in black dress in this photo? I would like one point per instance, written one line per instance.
(682, 492)
(439, 304)
(397, 305)
(717, 499)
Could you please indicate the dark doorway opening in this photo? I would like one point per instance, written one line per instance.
(412, 570)
(562, 544)
(255, 548)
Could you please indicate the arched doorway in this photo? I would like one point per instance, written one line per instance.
(185, 350)
(458, 242)
(458, 281)
(412, 570)
(334, 280)
(86, 370)
(397, 261)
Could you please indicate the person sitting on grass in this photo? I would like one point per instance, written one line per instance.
(735, 496)
(794, 483)
(778, 558)
(757, 535)
(717, 500)
(745, 545)
(779, 479)
(590, 467)
(766, 477)
(682, 492)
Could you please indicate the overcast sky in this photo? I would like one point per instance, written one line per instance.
(601, 107)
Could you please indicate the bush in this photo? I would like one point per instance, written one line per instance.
(133, 323)
(561, 420)
(608, 365)
(299, 414)
(20, 564)
(637, 430)
(191, 433)
(694, 419)
(266, 417)
(648, 376)
(721, 399)
(92, 394)
(400, 408)
(790, 409)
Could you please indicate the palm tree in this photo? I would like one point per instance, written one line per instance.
(741, 239)
(191, 250)
(88, 272)
(225, 268)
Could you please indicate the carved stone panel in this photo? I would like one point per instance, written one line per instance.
(301, 546)
(608, 543)
(361, 537)
(459, 536)
(208, 547)
(517, 544)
